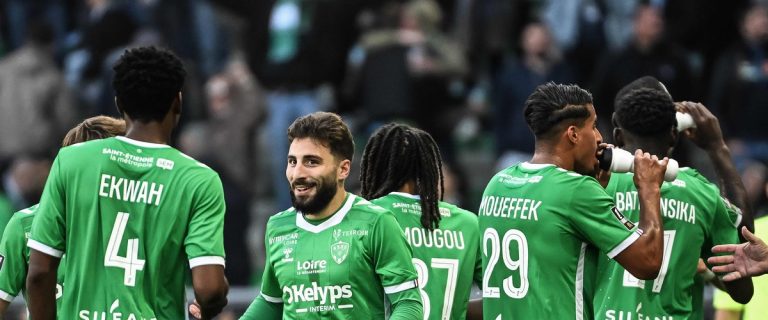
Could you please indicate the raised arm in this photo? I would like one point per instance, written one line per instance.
(643, 257)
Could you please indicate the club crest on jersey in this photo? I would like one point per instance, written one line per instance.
(628, 224)
(339, 251)
(287, 254)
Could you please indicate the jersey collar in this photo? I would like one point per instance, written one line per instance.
(141, 143)
(407, 195)
(535, 166)
(334, 220)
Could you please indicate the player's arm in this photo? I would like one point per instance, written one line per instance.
(204, 246)
(392, 262)
(13, 265)
(475, 309)
(41, 285)
(47, 245)
(643, 257)
(708, 136)
(269, 303)
(263, 309)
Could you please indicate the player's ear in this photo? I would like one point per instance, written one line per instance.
(343, 170)
(618, 136)
(176, 105)
(573, 134)
(117, 105)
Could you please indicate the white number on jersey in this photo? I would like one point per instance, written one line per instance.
(631, 281)
(131, 262)
(452, 267)
(498, 246)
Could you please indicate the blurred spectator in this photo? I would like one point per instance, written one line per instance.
(649, 53)
(194, 140)
(739, 90)
(20, 13)
(539, 63)
(36, 106)
(22, 185)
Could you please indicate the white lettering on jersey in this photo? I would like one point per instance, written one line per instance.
(505, 207)
(438, 238)
(136, 191)
(111, 315)
(315, 293)
(670, 208)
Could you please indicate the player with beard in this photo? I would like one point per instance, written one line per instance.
(544, 220)
(334, 255)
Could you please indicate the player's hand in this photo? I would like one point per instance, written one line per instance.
(194, 310)
(602, 176)
(744, 260)
(707, 133)
(649, 170)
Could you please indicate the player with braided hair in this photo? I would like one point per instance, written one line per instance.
(131, 212)
(402, 171)
(695, 216)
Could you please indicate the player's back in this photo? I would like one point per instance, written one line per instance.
(447, 259)
(695, 219)
(136, 216)
(537, 222)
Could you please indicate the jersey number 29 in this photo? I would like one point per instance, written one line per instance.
(498, 247)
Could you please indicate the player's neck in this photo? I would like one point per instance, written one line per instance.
(336, 202)
(652, 147)
(409, 187)
(552, 155)
(153, 132)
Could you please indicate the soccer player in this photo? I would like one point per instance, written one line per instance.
(402, 172)
(694, 214)
(13, 246)
(130, 212)
(544, 220)
(333, 255)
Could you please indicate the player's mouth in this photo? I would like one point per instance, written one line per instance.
(303, 189)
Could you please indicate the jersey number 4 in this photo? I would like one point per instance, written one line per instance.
(130, 262)
(500, 246)
(631, 281)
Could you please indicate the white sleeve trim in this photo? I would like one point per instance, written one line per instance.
(206, 260)
(738, 220)
(625, 244)
(44, 248)
(400, 287)
(6, 296)
(271, 298)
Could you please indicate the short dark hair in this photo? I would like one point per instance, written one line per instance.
(642, 82)
(551, 104)
(326, 128)
(146, 82)
(646, 112)
(396, 154)
(98, 127)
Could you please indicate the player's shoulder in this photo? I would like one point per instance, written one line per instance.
(454, 212)
(22, 220)
(283, 217)
(364, 208)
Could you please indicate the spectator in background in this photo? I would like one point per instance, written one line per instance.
(739, 89)
(540, 62)
(36, 105)
(22, 185)
(648, 53)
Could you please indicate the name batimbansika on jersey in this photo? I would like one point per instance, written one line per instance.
(542, 228)
(14, 256)
(695, 219)
(339, 267)
(446, 259)
(131, 217)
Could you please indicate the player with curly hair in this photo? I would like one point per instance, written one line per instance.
(131, 212)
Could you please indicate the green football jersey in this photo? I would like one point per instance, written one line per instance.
(132, 217)
(14, 256)
(339, 268)
(695, 219)
(542, 228)
(446, 259)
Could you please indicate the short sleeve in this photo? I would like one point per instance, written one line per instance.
(597, 220)
(723, 229)
(392, 259)
(13, 260)
(270, 287)
(48, 233)
(204, 242)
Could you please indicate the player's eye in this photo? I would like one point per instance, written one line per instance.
(291, 162)
(312, 162)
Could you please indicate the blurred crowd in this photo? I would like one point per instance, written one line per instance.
(459, 69)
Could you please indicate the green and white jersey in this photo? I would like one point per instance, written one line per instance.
(131, 217)
(14, 256)
(339, 267)
(446, 259)
(542, 228)
(695, 219)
